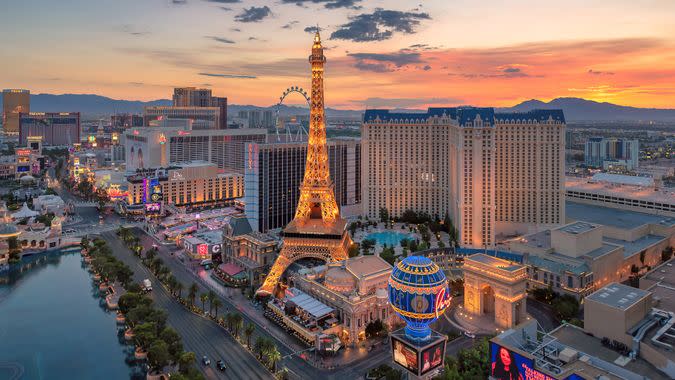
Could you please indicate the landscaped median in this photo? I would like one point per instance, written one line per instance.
(263, 349)
(144, 325)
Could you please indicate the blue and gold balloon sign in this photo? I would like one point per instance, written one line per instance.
(419, 294)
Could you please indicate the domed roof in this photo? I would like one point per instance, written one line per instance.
(339, 280)
(27, 178)
(8, 230)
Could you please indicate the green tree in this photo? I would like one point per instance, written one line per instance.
(158, 355)
(179, 289)
(667, 253)
(353, 250)
(237, 324)
(212, 295)
(384, 215)
(216, 304)
(367, 245)
(388, 255)
(248, 332)
(192, 293)
(204, 297)
(273, 356)
(186, 361)
(174, 343)
(375, 328)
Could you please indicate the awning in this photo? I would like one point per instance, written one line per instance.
(311, 306)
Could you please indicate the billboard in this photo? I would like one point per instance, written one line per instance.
(153, 208)
(432, 357)
(506, 365)
(405, 355)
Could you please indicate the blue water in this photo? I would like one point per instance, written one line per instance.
(53, 326)
(390, 238)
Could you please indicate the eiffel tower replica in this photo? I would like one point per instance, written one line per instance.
(316, 231)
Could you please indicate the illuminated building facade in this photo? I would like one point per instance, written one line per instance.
(202, 117)
(253, 251)
(494, 174)
(495, 286)
(317, 230)
(356, 289)
(125, 120)
(274, 173)
(162, 147)
(190, 184)
(55, 128)
(14, 102)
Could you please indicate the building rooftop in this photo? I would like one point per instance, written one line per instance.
(613, 217)
(557, 263)
(463, 115)
(622, 179)
(495, 262)
(363, 266)
(618, 296)
(577, 339)
(631, 248)
(578, 228)
(661, 282)
(616, 189)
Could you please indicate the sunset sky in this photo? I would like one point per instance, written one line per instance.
(380, 53)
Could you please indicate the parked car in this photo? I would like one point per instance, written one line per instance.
(206, 360)
(147, 285)
(470, 334)
(221, 365)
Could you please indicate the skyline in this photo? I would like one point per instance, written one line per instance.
(417, 55)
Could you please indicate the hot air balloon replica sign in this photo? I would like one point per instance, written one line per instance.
(419, 294)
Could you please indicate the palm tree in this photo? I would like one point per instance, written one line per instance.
(229, 317)
(179, 288)
(237, 324)
(193, 293)
(216, 304)
(171, 282)
(273, 355)
(260, 346)
(203, 297)
(163, 271)
(212, 296)
(248, 331)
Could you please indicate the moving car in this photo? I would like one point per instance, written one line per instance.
(470, 334)
(206, 360)
(221, 365)
(147, 285)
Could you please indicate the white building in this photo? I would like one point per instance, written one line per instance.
(49, 204)
(494, 174)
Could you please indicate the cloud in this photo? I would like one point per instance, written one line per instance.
(426, 68)
(330, 4)
(376, 102)
(235, 29)
(224, 1)
(384, 62)
(312, 29)
(226, 9)
(220, 39)
(137, 83)
(237, 76)
(253, 14)
(132, 30)
(593, 72)
(379, 25)
(290, 24)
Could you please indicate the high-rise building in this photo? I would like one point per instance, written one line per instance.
(274, 172)
(201, 97)
(317, 230)
(55, 128)
(201, 117)
(612, 152)
(14, 102)
(161, 147)
(257, 118)
(494, 174)
(126, 120)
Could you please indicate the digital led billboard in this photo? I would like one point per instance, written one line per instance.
(432, 357)
(404, 354)
(509, 365)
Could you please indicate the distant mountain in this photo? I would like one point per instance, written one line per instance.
(577, 109)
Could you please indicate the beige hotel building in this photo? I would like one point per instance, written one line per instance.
(495, 174)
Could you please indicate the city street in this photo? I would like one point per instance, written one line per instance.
(200, 335)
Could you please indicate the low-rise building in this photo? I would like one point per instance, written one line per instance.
(252, 251)
(193, 184)
(356, 289)
(49, 204)
(203, 245)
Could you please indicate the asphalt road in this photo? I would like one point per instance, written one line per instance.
(542, 314)
(202, 336)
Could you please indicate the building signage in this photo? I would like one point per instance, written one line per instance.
(404, 355)
(23, 152)
(203, 250)
(507, 365)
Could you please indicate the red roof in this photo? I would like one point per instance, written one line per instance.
(230, 269)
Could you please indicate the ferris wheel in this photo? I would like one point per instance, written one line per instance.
(297, 136)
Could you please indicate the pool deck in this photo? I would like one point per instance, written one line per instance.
(360, 235)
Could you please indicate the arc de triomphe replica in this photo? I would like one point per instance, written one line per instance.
(493, 285)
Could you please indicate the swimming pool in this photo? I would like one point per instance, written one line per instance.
(390, 238)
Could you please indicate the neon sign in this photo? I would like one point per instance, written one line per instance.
(442, 302)
(202, 250)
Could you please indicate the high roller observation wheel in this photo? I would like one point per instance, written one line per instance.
(277, 109)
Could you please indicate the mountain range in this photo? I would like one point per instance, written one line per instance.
(576, 109)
